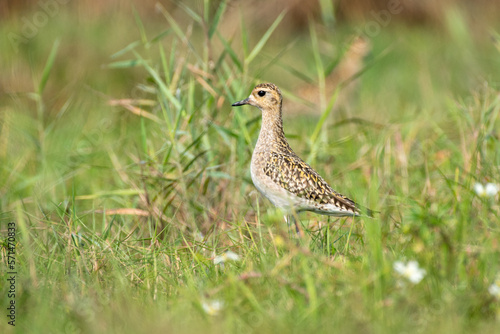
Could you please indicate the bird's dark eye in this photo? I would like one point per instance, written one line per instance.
(261, 93)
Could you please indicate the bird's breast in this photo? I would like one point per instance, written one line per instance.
(265, 185)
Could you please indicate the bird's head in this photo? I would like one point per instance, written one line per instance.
(265, 96)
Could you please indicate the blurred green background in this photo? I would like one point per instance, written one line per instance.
(126, 170)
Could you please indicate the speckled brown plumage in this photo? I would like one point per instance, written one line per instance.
(279, 174)
(297, 177)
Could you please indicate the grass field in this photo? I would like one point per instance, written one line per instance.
(126, 174)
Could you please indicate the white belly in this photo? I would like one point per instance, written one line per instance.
(287, 202)
(272, 191)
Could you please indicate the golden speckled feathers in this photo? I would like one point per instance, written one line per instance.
(297, 177)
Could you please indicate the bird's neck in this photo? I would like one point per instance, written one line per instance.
(271, 135)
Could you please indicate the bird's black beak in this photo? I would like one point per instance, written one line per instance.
(240, 103)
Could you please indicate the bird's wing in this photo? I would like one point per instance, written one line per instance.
(297, 177)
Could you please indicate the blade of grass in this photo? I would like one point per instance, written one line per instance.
(126, 49)
(327, 12)
(160, 36)
(140, 26)
(144, 137)
(197, 18)
(320, 71)
(244, 34)
(163, 88)
(164, 63)
(123, 64)
(276, 58)
(324, 117)
(48, 67)
(231, 52)
(260, 44)
(218, 15)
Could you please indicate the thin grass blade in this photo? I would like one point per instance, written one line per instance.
(258, 47)
(48, 66)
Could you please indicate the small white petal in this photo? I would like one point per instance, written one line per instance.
(416, 276)
(227, 256)
(412, 265)
(232, 256)
(479, 189)
(399, 267)
(212, 307)
(491, 190)
(494, 290)
(410, 271)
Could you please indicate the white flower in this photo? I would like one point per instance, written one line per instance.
(494, 289)
(212, 307)
(198, 236)
(489, 190)
(227, 256)
(410, 271)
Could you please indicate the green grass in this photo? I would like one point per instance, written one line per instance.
(119, 216)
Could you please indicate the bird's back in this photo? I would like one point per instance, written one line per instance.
(287, 181)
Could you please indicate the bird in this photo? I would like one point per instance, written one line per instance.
(280, 174)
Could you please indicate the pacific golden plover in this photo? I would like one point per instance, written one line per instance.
(279, 174)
